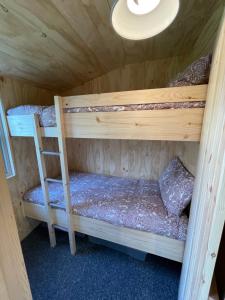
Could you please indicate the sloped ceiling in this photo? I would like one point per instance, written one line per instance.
(60, 44)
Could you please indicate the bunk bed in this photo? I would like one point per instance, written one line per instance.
(172, 114)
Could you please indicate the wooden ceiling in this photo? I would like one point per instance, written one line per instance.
(60, 44)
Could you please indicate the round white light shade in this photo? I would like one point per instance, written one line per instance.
(134, 26)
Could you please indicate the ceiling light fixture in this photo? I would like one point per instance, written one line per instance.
(142, 19)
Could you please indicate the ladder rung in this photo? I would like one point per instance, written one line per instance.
(50, 153)
(53, 180)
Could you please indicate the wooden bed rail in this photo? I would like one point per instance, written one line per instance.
(171, 94)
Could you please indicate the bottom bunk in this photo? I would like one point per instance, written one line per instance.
(125, 211)
(140, 240)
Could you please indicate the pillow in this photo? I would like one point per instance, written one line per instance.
(176, 186)
(25, 110)
(197, 73)
(48, 118)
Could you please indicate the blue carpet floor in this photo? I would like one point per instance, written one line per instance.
(96, 272)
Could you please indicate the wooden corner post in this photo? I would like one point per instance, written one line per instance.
(64, 170)
(208, 204)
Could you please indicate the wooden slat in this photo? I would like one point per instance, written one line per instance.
(53, 180)
(50, 153)
(23, 126)
(172, 94)
(171, 125)
(65, 171)
(208, 206)
(136, 239)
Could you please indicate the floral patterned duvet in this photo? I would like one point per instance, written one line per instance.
(120, 201)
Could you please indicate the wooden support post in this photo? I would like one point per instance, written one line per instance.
(64, 169)
(208, 204)
(43, 175)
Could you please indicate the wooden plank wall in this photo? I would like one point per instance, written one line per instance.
(16, 92)
(136, 159)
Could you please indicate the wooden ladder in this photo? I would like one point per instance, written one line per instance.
(41, 153)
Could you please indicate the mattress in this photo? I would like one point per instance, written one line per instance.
(120, 201)
(47, 113)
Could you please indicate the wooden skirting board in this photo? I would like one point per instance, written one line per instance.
(136, 239)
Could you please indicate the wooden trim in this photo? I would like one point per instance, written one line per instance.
(172, 94)
(23, 126)
(43, 176)
(14, 282)
(170, 125)
(8, 140)
(65, 171)
(208, 206)
(136, 239)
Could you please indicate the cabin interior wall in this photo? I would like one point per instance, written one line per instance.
(15, 92)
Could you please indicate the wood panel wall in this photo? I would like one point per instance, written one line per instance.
(150, 74)
(206, 40)
(16, 92)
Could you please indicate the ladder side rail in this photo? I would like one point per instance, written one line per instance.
(64, 170)
(43, 175)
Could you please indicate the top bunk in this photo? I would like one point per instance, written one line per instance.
(172, 114)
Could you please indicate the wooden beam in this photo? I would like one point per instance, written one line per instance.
(14, 284)
(172, 94)
(169, 125)
(208, 206)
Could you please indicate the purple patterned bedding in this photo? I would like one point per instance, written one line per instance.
(47, 113)
(120, 201)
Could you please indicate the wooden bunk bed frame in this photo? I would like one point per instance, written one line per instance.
(161, 124)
